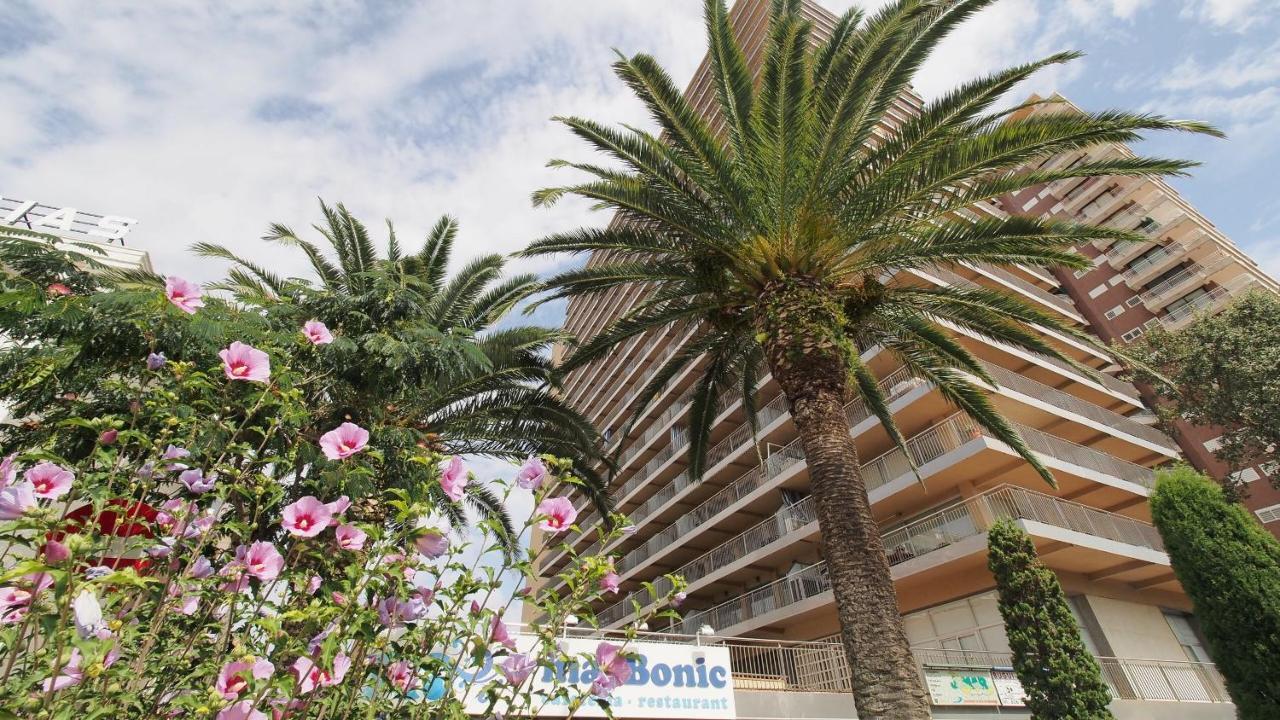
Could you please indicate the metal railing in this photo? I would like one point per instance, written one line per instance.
(778, 460)
(924, 447)
(1058, 301)
(1127, 679)
(820, 666)
(1147, 262)
(1194, 272)
(1071, 403)
(934, 531)
(770, 530)
(1210, 299)
(1054, 446)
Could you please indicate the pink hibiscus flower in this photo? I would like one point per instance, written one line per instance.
(263, 561)
(311, 676)
(196, 482)
(557, 514)
(245, 362)
(453, 478)
(49, 481)
(350, 537)
(16, 500)
(307, 517)
(338, 507)
(498, 633)
(69, 675)
(184, 294)
(402, 676)
(609, 583)
(233, 679)
(517, 668)
(432, 543)
(344, 441)
(8, 471)
(531, 474)
(614, 670)
(316, 332)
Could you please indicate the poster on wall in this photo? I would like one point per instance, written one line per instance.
(961, 686)
(667, 680)
(1008, 687)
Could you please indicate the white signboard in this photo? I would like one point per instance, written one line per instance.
(1008, 687)
(64, 221)
(667, 681)
(960, 686)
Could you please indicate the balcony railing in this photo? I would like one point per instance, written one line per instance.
(1058, 301)
(944, 437)
(774, 528)
(1212, 300)
(1127, 679)
(820, 666)
(935, 531)
(1071, 403)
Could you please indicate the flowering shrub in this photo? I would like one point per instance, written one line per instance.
(197, 555)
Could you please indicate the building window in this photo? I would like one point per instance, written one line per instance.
(1114, 312)
(1187, 636)
(1133, 301)
(1268, 514)
(1132, 335)
(1246, 475)
(1098, 290)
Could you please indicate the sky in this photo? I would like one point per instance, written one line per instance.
(208, 120)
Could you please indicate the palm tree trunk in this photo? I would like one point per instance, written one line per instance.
(808, 355)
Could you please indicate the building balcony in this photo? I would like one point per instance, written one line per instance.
(1071, 536)
(1139, 274)
(1020, 397)
(945, 456)
(1192, 276)
(1009, 281)
(1120, 254)
(1212, 301)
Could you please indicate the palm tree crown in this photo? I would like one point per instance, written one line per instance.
(417, 348)
(802, 188)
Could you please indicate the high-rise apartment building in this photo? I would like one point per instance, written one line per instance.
(1187, 269)
(745, 536)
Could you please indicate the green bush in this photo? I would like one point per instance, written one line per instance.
(1061, 678)
(1230, 566)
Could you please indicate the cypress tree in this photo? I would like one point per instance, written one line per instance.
(1230, 566)
(1061, 679)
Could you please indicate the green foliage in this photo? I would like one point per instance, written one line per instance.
(1230, 566)
(1061, 678)
(423, 369)
(134, 590)
(1224, 370)
(797, 189)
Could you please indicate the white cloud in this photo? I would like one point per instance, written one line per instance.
(1235, 15)
(1245, 67)
(180, 117)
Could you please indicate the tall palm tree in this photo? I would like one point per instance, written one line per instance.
(418, 349)
(778, 236)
